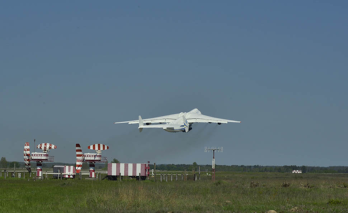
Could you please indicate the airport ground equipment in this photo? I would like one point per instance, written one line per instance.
(39, 157)
(213, 149)
(134, 170)
(66, 171)
(90, 158)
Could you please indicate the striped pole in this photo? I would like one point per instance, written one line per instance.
(39, 170)
(91, 170)
(79, 158)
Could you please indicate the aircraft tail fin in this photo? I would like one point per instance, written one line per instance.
(141, 124)
(186, 124)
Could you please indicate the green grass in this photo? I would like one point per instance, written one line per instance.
(232, 192)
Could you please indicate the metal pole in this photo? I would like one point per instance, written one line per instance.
(213, 165)
(34, 145)
(154, 168)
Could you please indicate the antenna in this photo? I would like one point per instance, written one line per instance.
(219, 149)
(39, 157)
(91, 158)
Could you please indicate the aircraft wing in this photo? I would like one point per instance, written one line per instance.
(162, 119)
(199, 118)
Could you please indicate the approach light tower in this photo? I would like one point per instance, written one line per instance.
(219, 149)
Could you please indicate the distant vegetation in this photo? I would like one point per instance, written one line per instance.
(189, 167)
(255, 168)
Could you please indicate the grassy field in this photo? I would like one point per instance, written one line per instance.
(232, 192)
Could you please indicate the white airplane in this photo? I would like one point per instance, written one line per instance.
(181, 122)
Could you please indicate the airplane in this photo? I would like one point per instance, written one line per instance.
(180, 122)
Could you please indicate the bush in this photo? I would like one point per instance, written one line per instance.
(254, 184)
(285, 184)
(334, 202)
(308, 186)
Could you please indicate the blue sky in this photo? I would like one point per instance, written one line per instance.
(68, 70)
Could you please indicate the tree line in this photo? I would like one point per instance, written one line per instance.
(204, 168)
(250, 168)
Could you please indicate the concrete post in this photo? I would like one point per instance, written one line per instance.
(171, 177)
(199, 173)
(139, 176)
(176, 177)
(120, 178)
(161, 177)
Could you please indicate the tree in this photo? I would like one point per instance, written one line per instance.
(12, 164)
(304, 169)
(85, 165)
(106, 165)
(194, 166)
(115, 161)
(3, 162)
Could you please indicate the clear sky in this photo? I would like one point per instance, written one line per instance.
(70, 69)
